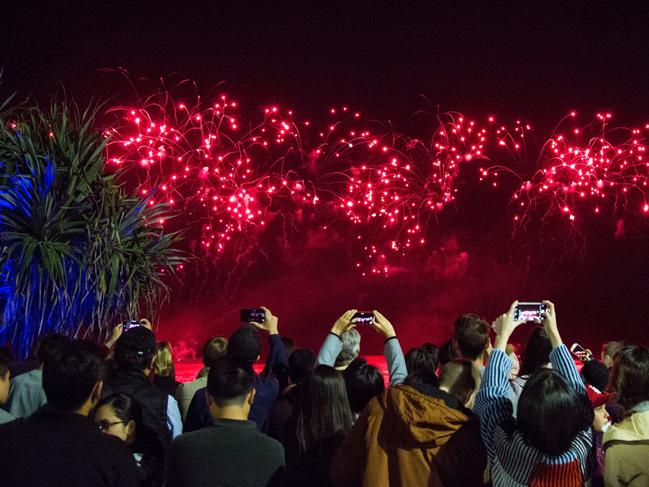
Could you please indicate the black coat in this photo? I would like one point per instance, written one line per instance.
(152, 401)
(52, 448)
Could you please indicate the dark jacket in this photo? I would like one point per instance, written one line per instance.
(281, 412)
(312, 467)
(64, 449)
(168, 383)
(266, 391)
(228, 453)
(412, 436)
(152, 401)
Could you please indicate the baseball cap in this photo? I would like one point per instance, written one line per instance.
(597, 398)
(139, 340)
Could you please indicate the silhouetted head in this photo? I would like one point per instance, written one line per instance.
(324, 408)
(363, 382)
(537, 352)
(551, 413)
(471, 336)
(630, 377)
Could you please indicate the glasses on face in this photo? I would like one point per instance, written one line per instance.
(106, 425)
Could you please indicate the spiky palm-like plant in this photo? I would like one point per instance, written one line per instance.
(76, 252)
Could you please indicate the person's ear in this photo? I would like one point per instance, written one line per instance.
(455, 348)
(251, 396)
(130, 430)
(469, 403)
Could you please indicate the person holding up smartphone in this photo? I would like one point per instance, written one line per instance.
(335, 343)
(551, 439)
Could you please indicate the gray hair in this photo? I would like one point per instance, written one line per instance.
(351, 347)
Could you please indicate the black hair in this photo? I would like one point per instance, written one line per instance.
(70, 375)
(323, 409)
(595, 373)
(421, 363)
(214, 350)
(244, 346)
(5, 362)
(551, 413)
(537, 352)
(289, 345)
(145, 441)
(471, 335)
(228, 382)
(363, 382)
(300, 364)
(125, 408)
(630, 378)
(49, 346)
(446, 353)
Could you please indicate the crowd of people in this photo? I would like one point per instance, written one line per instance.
(474, 411)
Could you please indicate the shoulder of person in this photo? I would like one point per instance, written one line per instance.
(268, 442)
(110, 446)
(192, 437)
(631, 429)
(25, 377)
(12, 427)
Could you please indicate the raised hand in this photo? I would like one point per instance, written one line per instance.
(505, 326)
(117, 331)
(344, 322)
(146, 324)
(383, 325)
(270, 323)
(550, 324)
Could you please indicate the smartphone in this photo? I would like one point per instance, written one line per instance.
(253, 314)
(580, 352)
(128, 324)
(530, 312)
(363, 318)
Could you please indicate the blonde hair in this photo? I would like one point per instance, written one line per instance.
(163, 363)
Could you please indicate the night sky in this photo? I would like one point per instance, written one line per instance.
(536, 60)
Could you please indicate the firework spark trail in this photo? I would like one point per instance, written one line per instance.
(194, 160)
(588, 170)
(382, 189)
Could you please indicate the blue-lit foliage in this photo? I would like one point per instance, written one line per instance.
(76, 253)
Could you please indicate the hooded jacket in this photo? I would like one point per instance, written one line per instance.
(412, 436)
(627, 450)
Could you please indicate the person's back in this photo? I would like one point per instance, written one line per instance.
(319, 425)
(228, 452)
(300, 365)
(416, 434)
(550, 443)
(213, 350)
(26, 395)
(134, 353)
(53, 448)
(244, 347)
(59, 445)
(231, 451)
(164, 371)
(627, 443)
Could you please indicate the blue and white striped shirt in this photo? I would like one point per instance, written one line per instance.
(512, 461)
